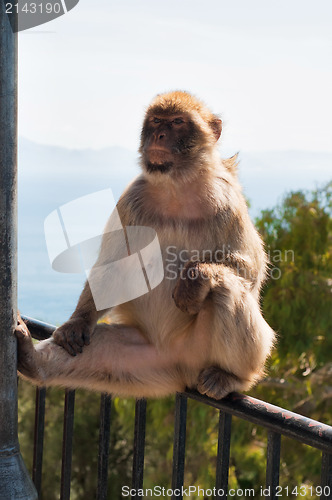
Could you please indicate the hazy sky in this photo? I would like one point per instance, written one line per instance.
(265, 66)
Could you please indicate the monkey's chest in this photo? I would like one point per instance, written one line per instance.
(155, 312)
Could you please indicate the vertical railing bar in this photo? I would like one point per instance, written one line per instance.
(139, 444)
(273, 462)
(224, 444)
(326, 477)
(104, 445)
(38, 446)
(179, 444)
(67, 444)
(15, 481)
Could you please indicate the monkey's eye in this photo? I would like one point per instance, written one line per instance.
(177, 121)
(156, 120)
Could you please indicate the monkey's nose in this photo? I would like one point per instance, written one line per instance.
(161, 136)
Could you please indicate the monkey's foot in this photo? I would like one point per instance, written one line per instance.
(26, 355)
(217, 383)
(191, 288)
(73, 335)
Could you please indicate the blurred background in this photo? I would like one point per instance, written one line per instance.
(86, 78)
(266, 69)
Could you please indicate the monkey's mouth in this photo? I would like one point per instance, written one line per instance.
(158, 159)
(159, 167)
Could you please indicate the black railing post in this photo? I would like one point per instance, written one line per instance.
(104, 445)
(224, 445)
(67, 444)
(273, 463)
(139, 446)
(15, 482)
(179, 447)
(326, 478)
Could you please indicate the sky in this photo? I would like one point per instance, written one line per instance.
(264, 66)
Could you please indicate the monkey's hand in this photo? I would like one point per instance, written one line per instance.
(192, 287)
(73, 335)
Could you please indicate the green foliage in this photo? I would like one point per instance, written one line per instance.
(296, 302)
(298, 235)
(85, 442)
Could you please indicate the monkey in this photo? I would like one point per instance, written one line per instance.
(202, 326)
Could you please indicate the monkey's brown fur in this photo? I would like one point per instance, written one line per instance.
(201, 328)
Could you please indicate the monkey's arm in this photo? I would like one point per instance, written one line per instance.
(75, 333)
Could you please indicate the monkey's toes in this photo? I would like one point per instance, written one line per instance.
(26, 355)
(22, 332)
(216, 383)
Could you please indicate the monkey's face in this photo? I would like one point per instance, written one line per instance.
(170, 143)
(165, 141)
(178, 139)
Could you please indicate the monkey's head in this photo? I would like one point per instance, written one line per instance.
(178, 138)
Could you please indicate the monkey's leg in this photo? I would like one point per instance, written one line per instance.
(118, 360)
(240, 338)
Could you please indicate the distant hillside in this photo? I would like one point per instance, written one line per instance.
(51, 176)
(58, 175)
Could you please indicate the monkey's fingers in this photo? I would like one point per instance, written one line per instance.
(72, 336)
(78, 337)
(63, 339)
(192, 288)
(86, 336)
(74, 342)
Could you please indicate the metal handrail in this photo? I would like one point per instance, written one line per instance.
(276, 420)
(272, 417)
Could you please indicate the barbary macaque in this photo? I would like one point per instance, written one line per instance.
(201, 327)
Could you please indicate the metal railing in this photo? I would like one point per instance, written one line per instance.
(277, 421)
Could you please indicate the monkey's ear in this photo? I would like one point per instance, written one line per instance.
(216, 125)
